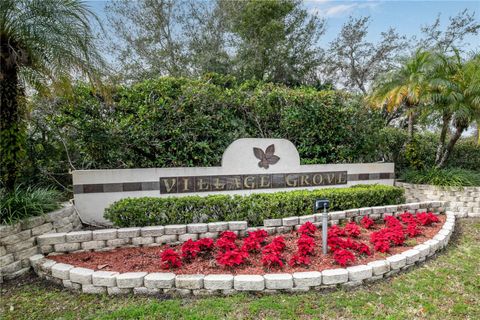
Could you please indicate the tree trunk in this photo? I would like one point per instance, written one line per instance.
(410, 125)
(11, 130)
(449, 148)
(443, 135)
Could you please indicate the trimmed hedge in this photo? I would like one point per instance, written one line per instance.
(149, 211)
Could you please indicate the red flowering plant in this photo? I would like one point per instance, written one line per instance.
(225, 244)
(232, 258)
(335, 231)
(254, 240)
(205, 245)
(300, 260)
(277, 244)
(362, 248)
(190, 249)
(307, 229)
(272, 260)
(426, 219)
(306, 245)
(366, 222)
(407, 218)
(413, 230)
(343, 257)
(391, 222)
(352, 230)
(228, 235)
(170, 259)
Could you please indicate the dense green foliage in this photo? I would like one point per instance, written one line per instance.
(252, 208)
(27, 202)
(443, 177)
(171, 122)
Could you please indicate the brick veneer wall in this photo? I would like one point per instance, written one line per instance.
(465, 202)
(18, 242)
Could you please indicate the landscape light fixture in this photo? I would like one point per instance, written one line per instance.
(323, 204)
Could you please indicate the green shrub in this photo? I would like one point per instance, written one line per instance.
(254, 208)
(443, 177)
(23, 203)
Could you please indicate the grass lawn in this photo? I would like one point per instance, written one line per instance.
(448, 287)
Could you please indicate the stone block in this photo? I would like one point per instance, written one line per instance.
(35, 259)
(307, 279)
(138, 241)
(130, 279)
(46, 249)
(187, 236)
(237, 225)
(117, 242)
(396, 261)
(218, 282)
(66, 247)
(104, 278)
(159, 280)
(272, 222)
(284, 229)
(189, 281)
(51, 238)
(93, 245)
(365, 211)
(166, 239)
(3, 251)
(433, 245)
(249, 283)
(278, 281)
(128, 233)
(15, 274)
(334, 276)
(81, 275)
(45, 266)
(152, 231)
(143, 291)
(25, 254)
(5, 260)
(212, 235)
(379, 267)
(7, 230)
(79, 236)
(411, 256)
(334, 215)
(351, 213)
(59, 214)
(104, 234)
(197, 228)
(71, 285)
(175, 229)
(14, 238)
(217, 226)
(41, 229)
(391, 209)
(91, 289)
(290, 221)
(22, 245)
(305, 219)
(114, 291)
(62, 271)
(423, 249)
(32, 222)
(358, 273)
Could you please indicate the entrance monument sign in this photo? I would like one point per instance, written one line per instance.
(248, 166)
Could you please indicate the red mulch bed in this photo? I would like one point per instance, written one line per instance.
(148, 258)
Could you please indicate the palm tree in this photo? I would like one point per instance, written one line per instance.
(457, 91)
(41, 41)
(405, 87)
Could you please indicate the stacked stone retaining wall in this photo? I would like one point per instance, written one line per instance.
(18, 242)
(464, 201)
